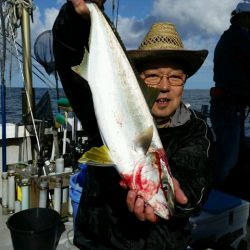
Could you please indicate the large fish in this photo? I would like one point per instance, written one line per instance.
(124, 119)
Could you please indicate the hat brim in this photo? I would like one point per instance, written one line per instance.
(191, 59)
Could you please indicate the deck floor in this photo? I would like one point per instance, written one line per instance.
(66, 239)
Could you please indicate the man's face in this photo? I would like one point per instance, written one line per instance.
(169, 79)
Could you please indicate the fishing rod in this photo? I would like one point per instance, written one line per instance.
(25, 8)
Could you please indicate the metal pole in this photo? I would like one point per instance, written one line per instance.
(3, 94)
(27, 67)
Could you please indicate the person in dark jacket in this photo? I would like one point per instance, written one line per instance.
(109, 216)
(230, 98)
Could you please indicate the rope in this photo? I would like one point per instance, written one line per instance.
(115, 19)
(14, 11)
(27, 95)
(113, 10)
(47, 82)
(117, 12)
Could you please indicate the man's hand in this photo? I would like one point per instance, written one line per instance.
(82, 9)
(143, 211)
(137, 206)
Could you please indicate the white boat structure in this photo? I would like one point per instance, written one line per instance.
(28, 169)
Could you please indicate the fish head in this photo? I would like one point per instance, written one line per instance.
(166, 188)
(154, 184)
(169, 196)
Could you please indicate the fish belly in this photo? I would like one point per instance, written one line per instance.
(123, 114)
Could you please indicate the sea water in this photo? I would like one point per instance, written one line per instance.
(195, 97)
(14, 102)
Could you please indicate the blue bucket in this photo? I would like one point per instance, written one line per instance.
(75, 192)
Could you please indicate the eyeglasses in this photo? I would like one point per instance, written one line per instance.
(175, 78)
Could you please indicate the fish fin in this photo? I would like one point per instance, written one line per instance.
(150, 94)
(82, 68)
(98, 155)
(144, 139)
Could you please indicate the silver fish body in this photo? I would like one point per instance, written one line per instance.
(124, 119)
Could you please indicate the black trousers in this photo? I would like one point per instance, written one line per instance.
(103, 221)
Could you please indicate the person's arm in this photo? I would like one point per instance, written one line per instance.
(70, 39)
(242, 50)
(71, 32)
(192, 166)
(70, 35)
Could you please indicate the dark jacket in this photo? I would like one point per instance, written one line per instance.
(103, 220)
(232, 62)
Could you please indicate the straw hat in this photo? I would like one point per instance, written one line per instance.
(163, 41)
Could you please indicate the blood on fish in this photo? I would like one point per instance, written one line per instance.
(145, 186)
